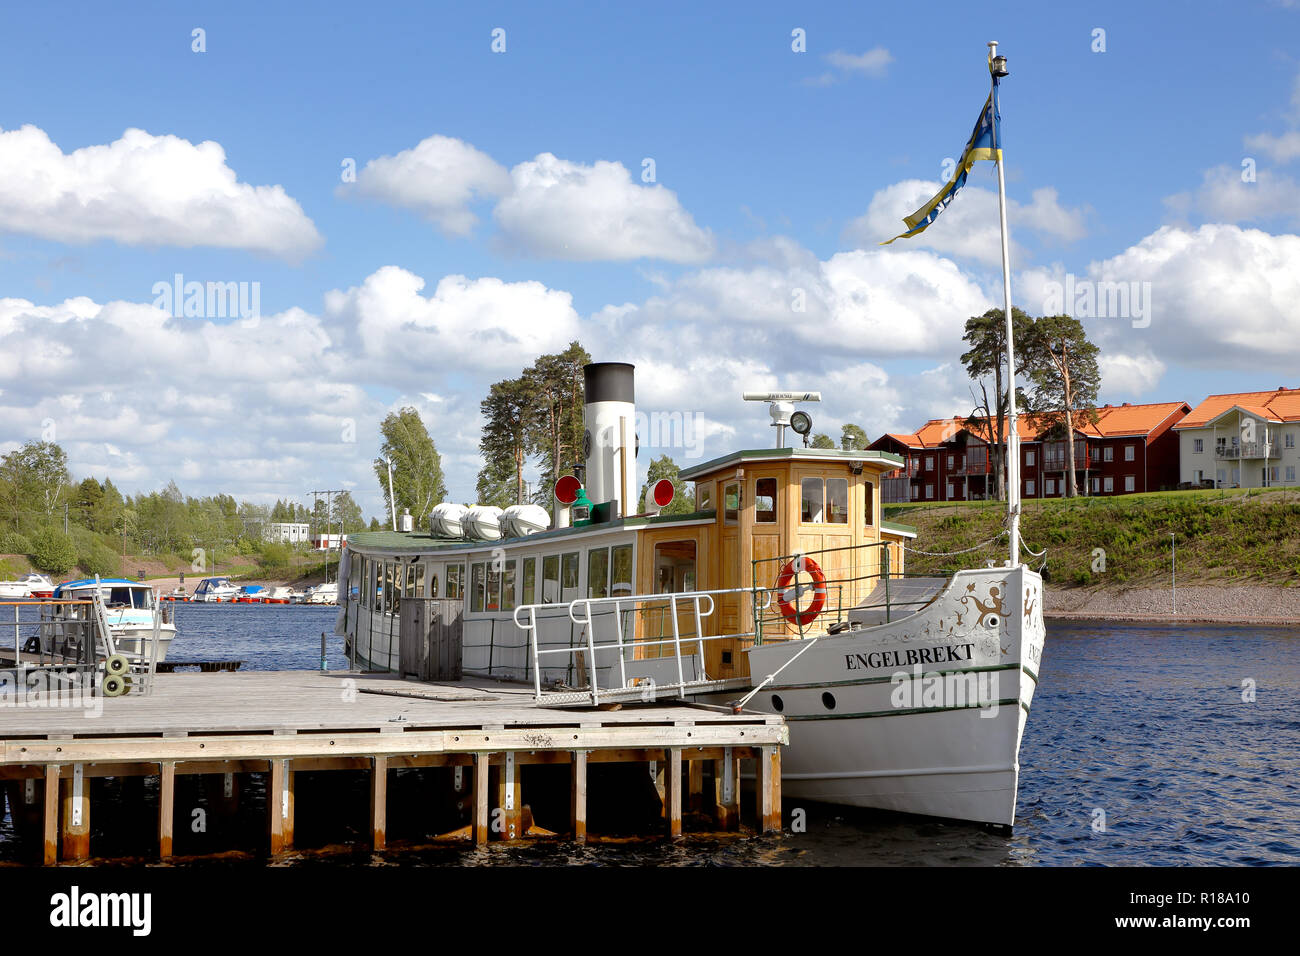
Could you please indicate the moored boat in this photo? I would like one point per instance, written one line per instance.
(131, 611)
(215, 590)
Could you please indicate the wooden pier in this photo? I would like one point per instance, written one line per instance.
(282, 723)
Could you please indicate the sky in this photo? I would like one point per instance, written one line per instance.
(400, 203)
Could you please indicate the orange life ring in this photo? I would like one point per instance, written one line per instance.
(789, 609)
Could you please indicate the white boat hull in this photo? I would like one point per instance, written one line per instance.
(876, 722)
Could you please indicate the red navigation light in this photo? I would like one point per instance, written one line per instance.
(663, 492)
(566, 490)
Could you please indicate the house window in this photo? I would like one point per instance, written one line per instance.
(1049, 486)
(1289, 438)
(951, 460)
(1220, 475)
(810, 509)
(948, 489)
(1128, 452)
(1108, 483)
(1029, 455)
(929, 463)
(1290, 473)
(1096, 482)
(1272, 473)
(869, 503)
(1108, 453)
(731, 502)
(837, 500)
(929, 491)
(1029, 487)
(1129, 482)
(765, 501)
(1198, 446)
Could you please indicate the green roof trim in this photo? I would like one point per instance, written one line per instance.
(790, 454)
(422, 541)
(898, 528)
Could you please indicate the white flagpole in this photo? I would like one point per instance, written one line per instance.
(1013, 436)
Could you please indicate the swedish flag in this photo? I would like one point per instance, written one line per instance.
(985, 143)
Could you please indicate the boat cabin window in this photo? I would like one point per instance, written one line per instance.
(456, 582)
(704, 497)
(837, 500)
(495, 572)
(621, 570)
(551, 579)
(765, 501)
(508, 582)
(433, 585)
(869, 501)
(674, 566)
(127, 597)
(477, 581)
(569, 576)
(811, 498)
(598, 573)
(530, 581)
(731, 502)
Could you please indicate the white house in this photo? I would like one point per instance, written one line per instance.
(1242, 440)
(288, 532)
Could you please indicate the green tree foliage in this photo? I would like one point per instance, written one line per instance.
(99, 559)
(496, 487)
(34, 479)
(683, 492)
(821, 440)
(346, 513)
(53, 551)
(11, 542)
(508, 413)
(987, 337)
(853, 438)
(1063, 372)
(555, 434)
(417, 466)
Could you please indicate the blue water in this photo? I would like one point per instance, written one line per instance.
(1146, 725)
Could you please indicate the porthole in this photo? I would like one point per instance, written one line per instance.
(994, 621)
(777, 703)
(829, 700)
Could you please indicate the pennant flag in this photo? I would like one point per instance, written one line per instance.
(984, 143)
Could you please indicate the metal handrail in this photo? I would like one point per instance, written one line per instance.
(587, 621)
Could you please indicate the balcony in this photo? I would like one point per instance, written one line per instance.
(1057, 462)
(982, 467)
(1250, 449)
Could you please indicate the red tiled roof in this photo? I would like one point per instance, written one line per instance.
(1279, 404)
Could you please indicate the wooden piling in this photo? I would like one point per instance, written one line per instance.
(509, 798)
(275, 806)
(76, 815)
(675, 792)
(726, 783)
(579, 796)
(379, 803)
(695, 785)
(769, 789)
(50, 825)
(481, 816)
(166, 807)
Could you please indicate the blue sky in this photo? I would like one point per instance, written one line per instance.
(774, 170)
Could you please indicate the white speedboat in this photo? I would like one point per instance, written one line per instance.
(30, 585)
(327, 593)
(130, 607)
(215, 590)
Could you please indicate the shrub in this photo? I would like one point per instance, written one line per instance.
(99, 560)
(11, 542)
(52, 551)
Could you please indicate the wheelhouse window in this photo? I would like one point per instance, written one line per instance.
(551, 579)
(509, 579)
(731, 502)
(765, 501)
(477, 582)
(456, 582)
(811, 503)
(704, 497)
(674, 566)
(837, 500)
(869, 503)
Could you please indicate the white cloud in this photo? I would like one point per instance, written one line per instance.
(1224, 196)
(1282, 149)
(871, 63)
(1129, 374)
(438, 178)
(565, 210)
(144, 190)
(969, 228)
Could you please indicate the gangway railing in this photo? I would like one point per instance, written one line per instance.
(588, 612)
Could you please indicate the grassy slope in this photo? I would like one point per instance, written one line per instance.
(1223, 537)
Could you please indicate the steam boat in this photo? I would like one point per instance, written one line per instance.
(783, 590)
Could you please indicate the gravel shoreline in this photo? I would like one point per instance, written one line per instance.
(1236, 604)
